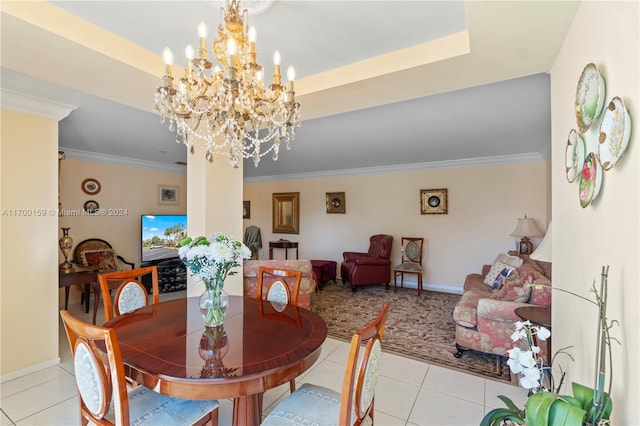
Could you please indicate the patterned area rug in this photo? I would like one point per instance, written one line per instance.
(420, 328)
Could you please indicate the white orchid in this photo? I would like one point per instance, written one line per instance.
(526, 363)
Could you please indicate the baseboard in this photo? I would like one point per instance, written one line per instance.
(443, 288)
(31, 369)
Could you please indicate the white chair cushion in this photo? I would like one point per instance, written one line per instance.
(278, 293)
(147, 407)
(91, 379)
(308, 405)
(409, 266)
(370, 377)
(131, 298)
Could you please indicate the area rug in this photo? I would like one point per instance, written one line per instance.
(419, 328)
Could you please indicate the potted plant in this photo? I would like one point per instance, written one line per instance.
(545, 406)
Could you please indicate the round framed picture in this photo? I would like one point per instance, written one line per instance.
(91, 186)
(91, 206)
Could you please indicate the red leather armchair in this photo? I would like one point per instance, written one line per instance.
(373, 267)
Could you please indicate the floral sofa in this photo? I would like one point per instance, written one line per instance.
(485, 316)
(307, 285)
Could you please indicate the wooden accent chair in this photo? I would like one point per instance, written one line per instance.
(102, 390)
(131, 294)
(99, 254)
(411, 262)
(312, 404)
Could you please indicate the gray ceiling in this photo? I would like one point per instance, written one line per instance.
(458, 119)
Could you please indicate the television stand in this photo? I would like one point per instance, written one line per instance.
(172, 275)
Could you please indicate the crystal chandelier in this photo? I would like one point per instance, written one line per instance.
(224, 106)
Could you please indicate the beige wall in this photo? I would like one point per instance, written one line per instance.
(29, 243)
(607, 232)
(126, 193)
(484, 204)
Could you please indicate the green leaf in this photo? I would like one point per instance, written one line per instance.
(538, 407)
(497, 416)
(584, 394)
(566, 414)
(511, 406)
(185, 241)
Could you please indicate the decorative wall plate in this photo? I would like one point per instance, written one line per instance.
(590, 180)
(614, 133)
(91, 186)
(574, 155)
(589, 97)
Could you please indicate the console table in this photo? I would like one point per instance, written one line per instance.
(286, 245)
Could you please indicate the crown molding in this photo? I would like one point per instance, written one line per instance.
(451, 164)
(122, 161)
(33, 105)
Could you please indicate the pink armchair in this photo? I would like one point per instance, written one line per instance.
(372, 267)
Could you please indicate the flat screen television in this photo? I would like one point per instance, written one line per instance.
(161, 235)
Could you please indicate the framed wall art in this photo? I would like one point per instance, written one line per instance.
(91, 186)
(434, 201)
(336, 202)
(168, 195)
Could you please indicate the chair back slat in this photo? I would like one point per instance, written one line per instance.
(274, 284)
(100, 378)
(130, 293)
(358, 386)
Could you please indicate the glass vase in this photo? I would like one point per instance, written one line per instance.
(213, 306)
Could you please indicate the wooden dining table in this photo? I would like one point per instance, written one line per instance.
(167, 348)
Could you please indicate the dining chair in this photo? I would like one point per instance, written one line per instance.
(282, 285)
(313, 404)
(411, 262)
(278, 292)
(103, 394)
(130, 294)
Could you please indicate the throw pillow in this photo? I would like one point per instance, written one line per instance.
(506, 272)
(513, 261)
(496, 268)
(104, 260)
(513, 291)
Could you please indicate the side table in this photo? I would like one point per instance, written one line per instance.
(540, 315)
(87, 277)
(283, 244)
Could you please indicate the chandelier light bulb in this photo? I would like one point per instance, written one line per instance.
(167, 56)
(189, 52)
(276, 58)
(202, 30)
(259, 76)
(291, 73)
(252, 34)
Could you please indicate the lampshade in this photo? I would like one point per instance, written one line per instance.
(526, 227)
(543, 252)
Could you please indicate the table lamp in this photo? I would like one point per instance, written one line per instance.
(526, 228)
(543, 252)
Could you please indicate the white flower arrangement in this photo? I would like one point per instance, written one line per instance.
(212, 261)
(527, 364)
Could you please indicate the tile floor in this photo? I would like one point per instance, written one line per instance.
(409, 392)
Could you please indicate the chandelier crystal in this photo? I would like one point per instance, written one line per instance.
(224, 105)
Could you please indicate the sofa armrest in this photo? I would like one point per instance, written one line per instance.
(375, 261)
(498, 310)
(349, 256)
